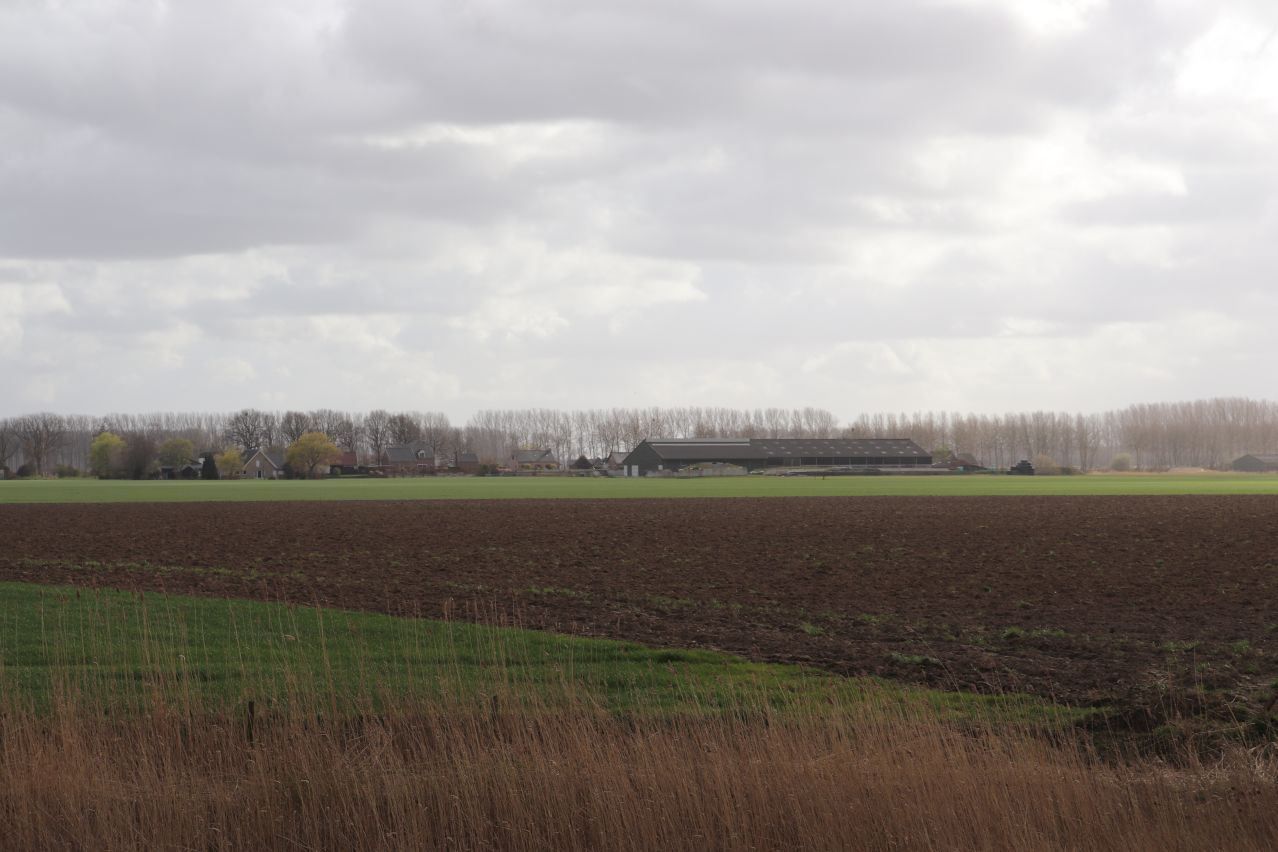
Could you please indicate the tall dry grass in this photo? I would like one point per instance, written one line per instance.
(139, 757)
(480, 776)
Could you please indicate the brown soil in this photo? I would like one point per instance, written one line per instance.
(1166, 604)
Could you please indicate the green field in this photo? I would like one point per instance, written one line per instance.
(488, 488)
(125, 649)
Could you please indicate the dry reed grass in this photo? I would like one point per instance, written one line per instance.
(481, 776)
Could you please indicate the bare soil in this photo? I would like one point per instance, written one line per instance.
(1158, 606)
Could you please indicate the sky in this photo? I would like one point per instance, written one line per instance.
(966, 205)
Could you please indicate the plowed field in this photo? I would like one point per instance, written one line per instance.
(1147, 603)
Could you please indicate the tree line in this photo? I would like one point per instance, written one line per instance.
(1202, 433)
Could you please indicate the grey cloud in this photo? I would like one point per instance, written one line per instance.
(455, 197)
(204, 130)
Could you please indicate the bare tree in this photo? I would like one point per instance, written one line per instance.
(325, 420)
(294, 424)
(245, 428)
(270, 429)
(434, 429)
(404, 428)
(451, 446)
(8, 442)
(377, 432)
(347, 434)
(40, 435)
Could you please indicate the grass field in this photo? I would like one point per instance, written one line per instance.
(126, 649)
(495, 488)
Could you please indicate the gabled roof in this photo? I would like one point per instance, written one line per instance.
(409, 454)
(275, 457)
(877, 447)
(1266, 458)
(701, 448)
(532, 456)
(467, 458)
(685, 449)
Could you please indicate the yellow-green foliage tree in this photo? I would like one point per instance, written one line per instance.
(310, 451)
(1045, 465)
(229, 463)
(176, 452)
(106, 455)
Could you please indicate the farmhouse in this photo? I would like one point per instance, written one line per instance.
(264, 464)
(761, 453)
(408, 460)
(533, 460)
(1257, 463)
(347, 464)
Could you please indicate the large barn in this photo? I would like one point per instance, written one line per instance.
(672, 454)
(1257, 463)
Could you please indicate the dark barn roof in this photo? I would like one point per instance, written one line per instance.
(679, 449)
(408, 454)
(808, 447)
(1256, 462)
(786, 449)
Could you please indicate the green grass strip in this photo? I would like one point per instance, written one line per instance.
(536, 487)
(131, 650)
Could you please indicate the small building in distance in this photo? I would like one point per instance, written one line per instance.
(673, 454)
(264, 464)
(1257, 463)
(961, 463)
(347, 464)
(531, 461)
(468, 463)
(408, 460)
(189, 470)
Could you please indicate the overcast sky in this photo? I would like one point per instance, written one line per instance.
(977, 205)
